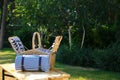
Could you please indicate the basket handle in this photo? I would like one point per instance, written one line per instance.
(36, 35)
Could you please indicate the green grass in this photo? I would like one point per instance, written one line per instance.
(7, 56)
(80, 73)
(77, 73)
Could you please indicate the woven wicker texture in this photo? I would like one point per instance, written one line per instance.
(36, 35)
(34, 52)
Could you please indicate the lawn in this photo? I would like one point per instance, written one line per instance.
(77, 73)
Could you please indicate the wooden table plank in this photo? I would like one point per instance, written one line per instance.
(51, 75)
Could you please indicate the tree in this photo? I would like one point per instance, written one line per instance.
(82, 22)
(3, 24)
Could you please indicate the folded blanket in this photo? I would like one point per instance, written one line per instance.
(32, 62)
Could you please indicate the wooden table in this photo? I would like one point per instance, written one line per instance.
(19, 75)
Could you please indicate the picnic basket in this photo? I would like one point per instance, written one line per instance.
(19, 48)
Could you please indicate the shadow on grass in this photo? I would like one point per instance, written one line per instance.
(6, 50)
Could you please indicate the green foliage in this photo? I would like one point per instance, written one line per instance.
(100, 57)
(56, 16)
(25, 33)
(108, 59)
(76, 56)
(113, 60)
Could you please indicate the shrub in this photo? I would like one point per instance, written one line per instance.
(75, 56)
(100, 57)
(113, 59)
(107, 59)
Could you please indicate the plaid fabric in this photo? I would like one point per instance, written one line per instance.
(32, 62)
(16, 43)
(45, 51)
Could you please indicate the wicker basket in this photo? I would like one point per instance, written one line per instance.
(38, 50)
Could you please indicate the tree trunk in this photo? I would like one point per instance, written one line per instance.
(69, 33)
(83, 37)
(3, 24)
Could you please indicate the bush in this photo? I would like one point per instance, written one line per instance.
(107, 59)
(113, 59)
(75, 56)
(100, 57)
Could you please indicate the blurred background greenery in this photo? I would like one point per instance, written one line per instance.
(90, 29)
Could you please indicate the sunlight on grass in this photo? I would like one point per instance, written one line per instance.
(82, 78)
(81, 73)
(7, 56)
